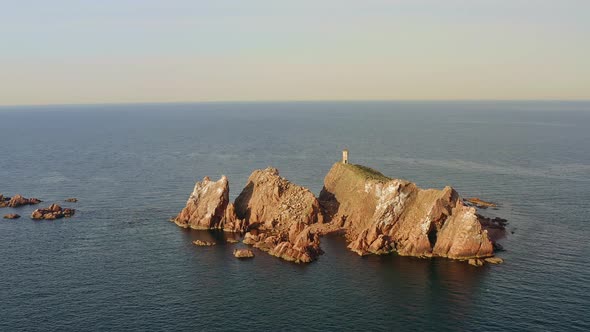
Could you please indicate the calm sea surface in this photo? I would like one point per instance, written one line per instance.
(120, 265)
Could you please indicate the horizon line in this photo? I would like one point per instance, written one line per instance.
(287, 101)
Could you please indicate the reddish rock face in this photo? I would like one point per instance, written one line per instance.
(17, 200)
(273, 202)
(463, 236)
(54, 211)
(206, 206)
(379, 215)
(382, 215)
(230, 222)
(243, 253)
(201, 243)
(280, 214)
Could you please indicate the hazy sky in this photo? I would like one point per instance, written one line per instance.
(220, 50)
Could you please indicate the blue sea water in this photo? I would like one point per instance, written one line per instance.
(120, 265)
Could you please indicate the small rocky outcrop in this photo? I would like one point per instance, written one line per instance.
(477, 202)
(52, 212)
(476, 262)
(279, 214)
(494, 260)
(243, 253)
(206, 206)
(17, 200)
(71, 200)
(11, 216)
(201, 243)
(382, 215)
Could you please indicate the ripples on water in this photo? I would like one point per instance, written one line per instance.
(118, 264)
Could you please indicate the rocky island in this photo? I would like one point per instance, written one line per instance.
(17, 201)
(377, 215)
(52, 212)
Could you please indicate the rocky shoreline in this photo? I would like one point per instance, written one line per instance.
(377, 215)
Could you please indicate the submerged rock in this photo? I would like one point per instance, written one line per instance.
(243, 253)
(12, 216)
(494, 260)
(203, 243)
(475, 262)
(52, 212)
(71, 200)
(475, 201)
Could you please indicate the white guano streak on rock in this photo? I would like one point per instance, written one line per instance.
(425, 226)
(368, 187)
(390, 202)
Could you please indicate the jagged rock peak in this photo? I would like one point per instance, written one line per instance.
(205, 207)
(279, 214)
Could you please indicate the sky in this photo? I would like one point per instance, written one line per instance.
(123, 51)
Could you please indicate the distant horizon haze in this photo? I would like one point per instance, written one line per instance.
(111, 52)
(153, 103)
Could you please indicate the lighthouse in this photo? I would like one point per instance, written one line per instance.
(345, 156)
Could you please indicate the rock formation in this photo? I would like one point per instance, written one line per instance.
(477, 202)
(71, 200)
(243, 253)
(382, 215)
(11, 216)
(52, 212)
(230, 222)
(279, 214)
(494, 260)
(201, 243)
(17, 200)
(206, 206)
(475, 262)
(378, 215)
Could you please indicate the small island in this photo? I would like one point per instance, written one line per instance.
(17, 201)
(377, 215)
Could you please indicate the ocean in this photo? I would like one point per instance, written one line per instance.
(119, 264)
